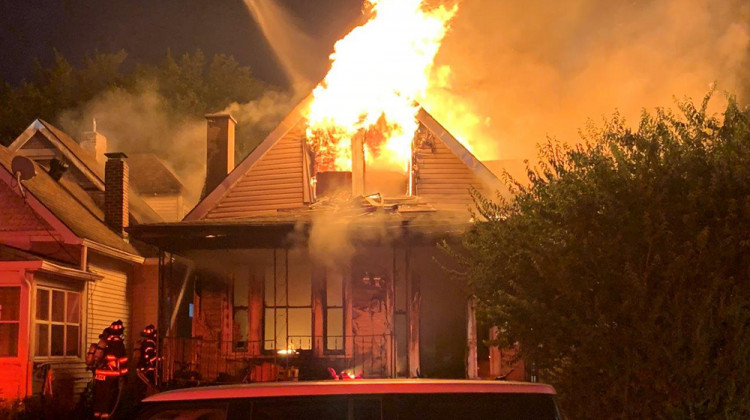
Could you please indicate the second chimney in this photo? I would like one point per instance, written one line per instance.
(116, 183)
(219, 149)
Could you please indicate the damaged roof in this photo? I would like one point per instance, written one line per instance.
(365, 218)
(276, 174)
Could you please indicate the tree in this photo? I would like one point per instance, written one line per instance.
(623, 268)
(191, 85)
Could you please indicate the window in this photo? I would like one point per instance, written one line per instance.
(58, 322)
(287, 301)
(334, 311)
(10, 302)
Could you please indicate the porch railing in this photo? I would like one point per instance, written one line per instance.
(193, 361)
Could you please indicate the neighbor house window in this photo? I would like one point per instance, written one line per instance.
(334, 311)
(287, 301)
(10, 302)
(58, 322)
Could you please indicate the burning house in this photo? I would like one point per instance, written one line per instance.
(320, 268)
(318, 251)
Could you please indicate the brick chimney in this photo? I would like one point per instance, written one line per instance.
(219, 149)
(116, 182)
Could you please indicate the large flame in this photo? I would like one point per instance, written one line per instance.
(379, 72)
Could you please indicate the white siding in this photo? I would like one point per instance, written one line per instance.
(276, 181)
(443, 180)
(108, 301)
(168, 207)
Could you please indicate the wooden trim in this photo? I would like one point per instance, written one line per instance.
(414, 307)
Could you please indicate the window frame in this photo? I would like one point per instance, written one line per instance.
(326, 307)
(286, 307)
(17, 321)
(64, 323)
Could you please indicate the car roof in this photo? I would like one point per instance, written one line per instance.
(347, 387)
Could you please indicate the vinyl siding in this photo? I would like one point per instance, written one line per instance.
(274, 182)
(168, 207)
(108, 301)
(443, 180)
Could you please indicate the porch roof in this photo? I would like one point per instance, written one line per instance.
(366, 224)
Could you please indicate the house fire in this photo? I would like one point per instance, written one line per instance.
(280, 257)
(319, 250)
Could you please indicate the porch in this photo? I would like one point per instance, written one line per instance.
(195, 361)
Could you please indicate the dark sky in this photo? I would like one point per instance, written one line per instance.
(32, 29)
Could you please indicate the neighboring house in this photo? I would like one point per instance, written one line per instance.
(156, 193)
(281, 265)
(66, 268)
(157, 185)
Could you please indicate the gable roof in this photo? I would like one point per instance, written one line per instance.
(149, 175)
(284, 127)
(65, 207)
(85, 163)
(70, 149)
(459, 167)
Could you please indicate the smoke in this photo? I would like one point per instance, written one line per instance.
(141, 122)
(293, 47)
(522, 70)
(336, 233)
(138, 122)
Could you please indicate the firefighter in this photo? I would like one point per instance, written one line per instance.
(109, 368)
(148, 357)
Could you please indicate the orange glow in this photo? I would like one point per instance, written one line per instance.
(379, 73)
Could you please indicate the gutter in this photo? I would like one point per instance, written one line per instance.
(113, 252)
(52, 268)
(30, 350)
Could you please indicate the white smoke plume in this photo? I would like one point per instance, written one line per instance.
(139, 123)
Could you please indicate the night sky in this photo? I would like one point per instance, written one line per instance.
(31, 29)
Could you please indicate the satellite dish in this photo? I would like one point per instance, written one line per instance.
(23, 168)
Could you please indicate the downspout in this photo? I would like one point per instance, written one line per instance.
(29, 363)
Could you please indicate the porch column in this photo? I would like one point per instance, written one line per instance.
(348, 331)
(471, 340)
(318, 296)
(495, 355)
(415, 304)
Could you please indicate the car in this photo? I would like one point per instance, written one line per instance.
(374, 399)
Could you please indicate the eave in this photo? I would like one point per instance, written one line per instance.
(48, 267)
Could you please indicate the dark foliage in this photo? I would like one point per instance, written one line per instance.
(624, 268)
(191, 84)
